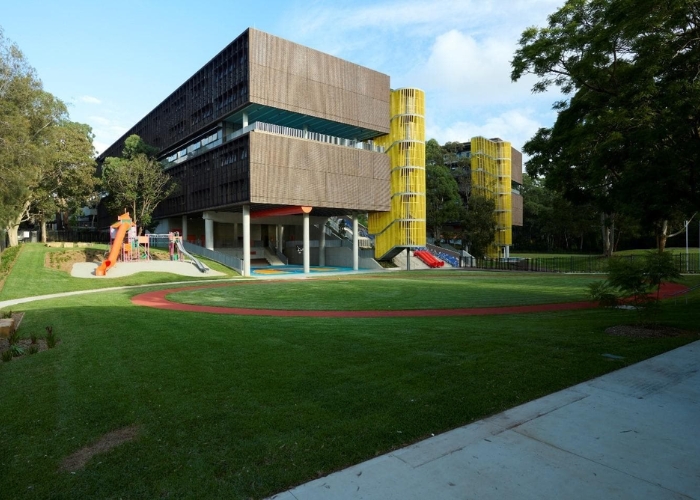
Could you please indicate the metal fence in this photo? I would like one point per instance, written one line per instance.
(575, 264)
(75, 236)
(221, 258)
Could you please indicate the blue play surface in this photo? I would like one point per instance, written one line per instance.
(281, 270)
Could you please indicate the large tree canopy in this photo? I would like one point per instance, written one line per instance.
(39, 148)
(479, 229)
(136, 181)
(627, 136)
(443, 203)
(66, 173)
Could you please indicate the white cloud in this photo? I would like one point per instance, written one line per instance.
(515, 125)
(457, 51)
(90, 99)
(465, 71)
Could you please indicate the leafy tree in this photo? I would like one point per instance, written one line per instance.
(433, 153)
(632, 279)
(659, 268)
(480, 225)
(29, 119)
(551, 222)
(67, 180)
(443, 203)
(627, 135)
(460, 167)
(136, 181)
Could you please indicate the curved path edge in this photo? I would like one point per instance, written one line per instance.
(158, 299)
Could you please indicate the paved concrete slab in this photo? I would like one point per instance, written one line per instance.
(120, 269)
(630, 434)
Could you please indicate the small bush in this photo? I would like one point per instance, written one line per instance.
(33, 338)
(16, 351)
(13, 338)
(7, 355)
(33, 349)
(8, 258)
(5, 314)
(50, 338)
(604, 293)
(632, 280)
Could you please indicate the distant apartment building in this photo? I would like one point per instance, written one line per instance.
(495, 172)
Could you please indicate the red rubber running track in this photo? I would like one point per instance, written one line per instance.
(158, 300)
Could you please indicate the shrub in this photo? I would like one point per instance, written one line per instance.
(7, 355)
(13, 338)
(16, 350)
(660, 268)
(33, 338)
(604, 293)
(33, 349)
(50, 338)
(8, 258)
(628, 276)
(632, 280)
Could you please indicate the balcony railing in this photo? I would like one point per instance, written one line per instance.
(278, 130)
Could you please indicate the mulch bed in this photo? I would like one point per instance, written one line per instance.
(25, 344)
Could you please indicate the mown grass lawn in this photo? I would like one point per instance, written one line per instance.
(239, 407)
(399, 290)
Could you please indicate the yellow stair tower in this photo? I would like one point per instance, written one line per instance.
(491, 178)
(404, 225)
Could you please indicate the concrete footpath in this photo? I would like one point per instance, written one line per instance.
(632, 434)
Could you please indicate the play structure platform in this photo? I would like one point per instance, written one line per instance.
(126, 245)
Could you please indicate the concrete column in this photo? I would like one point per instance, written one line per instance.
(279, 237)
(246, 240)
(184, 228)
(355, 245)
(408, 259)
(209, 234)
(245, 119)
(307, 246)
(322, 245)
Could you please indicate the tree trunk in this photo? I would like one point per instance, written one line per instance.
(13, 226)
(11, 230)
(607, 247)
(616, 240)
(662, 236)
(43, 231)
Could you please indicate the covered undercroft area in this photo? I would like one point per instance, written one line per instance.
(273, 236)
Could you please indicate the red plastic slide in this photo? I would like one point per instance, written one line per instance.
(429, 259)
(116, 246)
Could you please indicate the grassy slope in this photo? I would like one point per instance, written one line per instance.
(29, 277)
(246, 407)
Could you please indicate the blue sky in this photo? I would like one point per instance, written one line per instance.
(114, 61)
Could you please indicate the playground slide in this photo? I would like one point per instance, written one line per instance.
(199, 265)
(114, 251)
(436, 261)
(428, 258)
